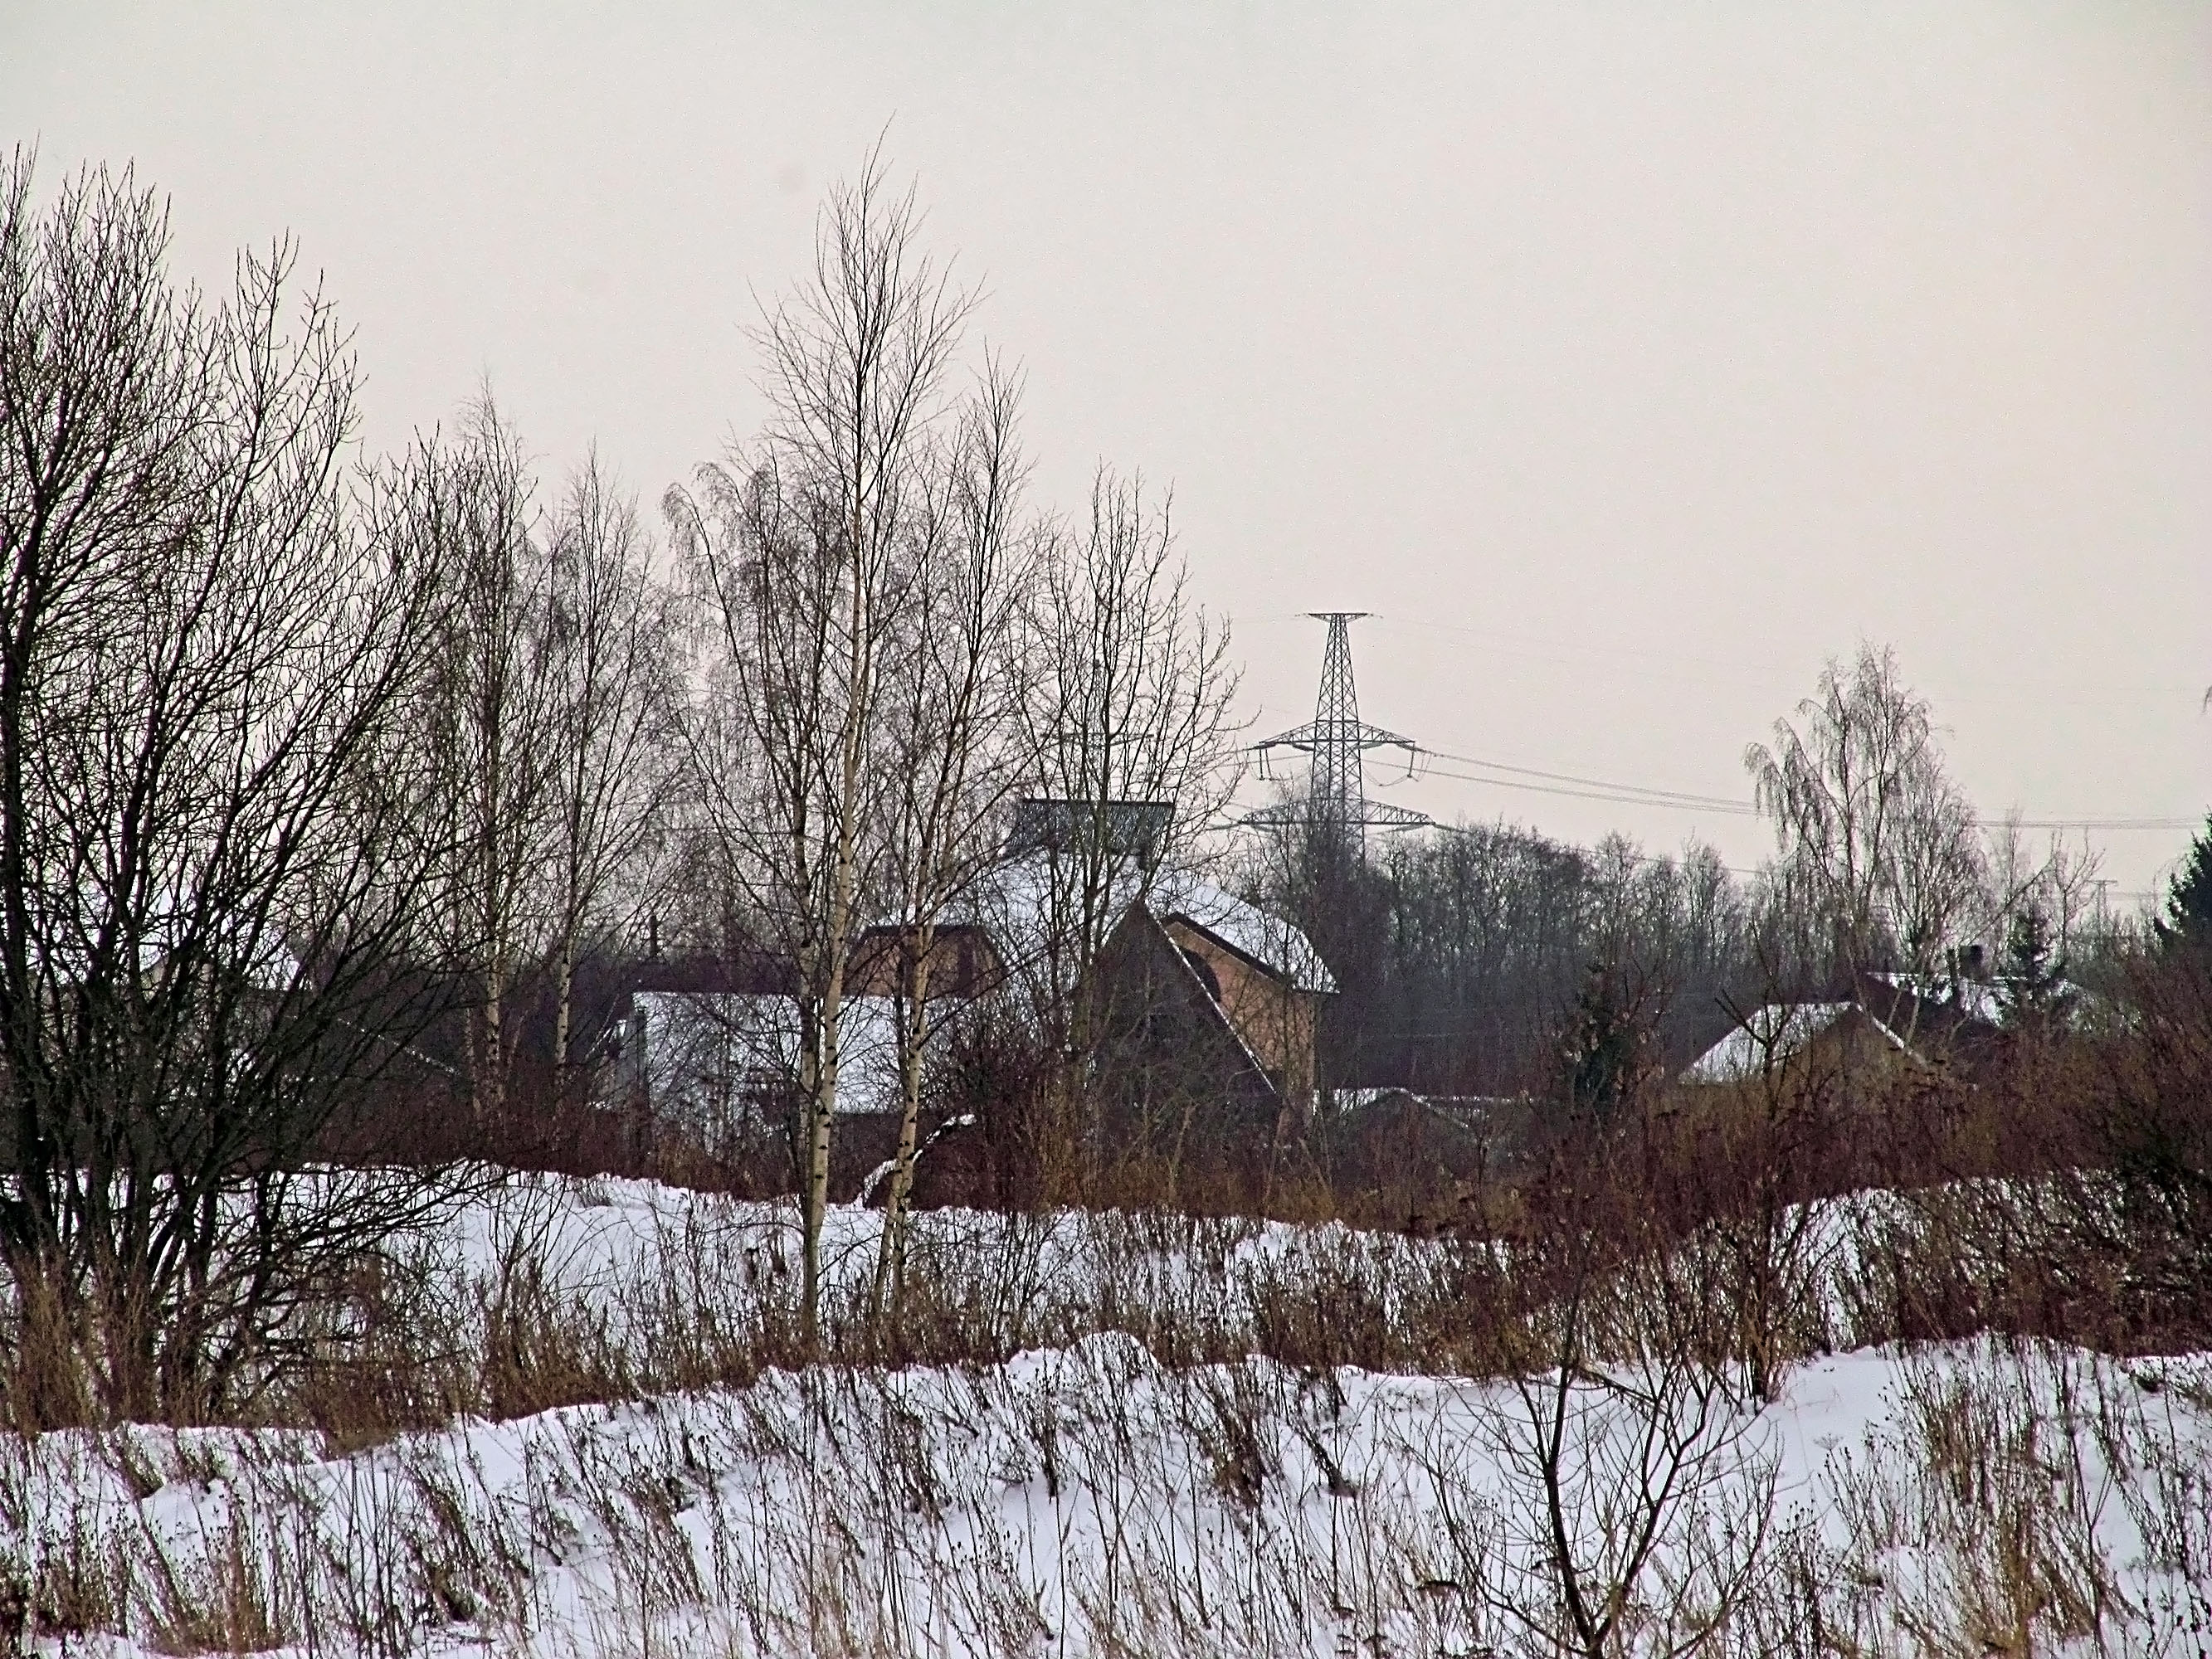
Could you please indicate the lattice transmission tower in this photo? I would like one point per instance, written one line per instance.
(1338, 740)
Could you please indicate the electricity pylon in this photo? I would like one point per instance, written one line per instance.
(1336, 790)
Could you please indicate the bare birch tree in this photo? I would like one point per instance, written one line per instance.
(1133, 753)
(798, 551)
(485, 708)
(610, 641)
(1878, 847)
(953, 735)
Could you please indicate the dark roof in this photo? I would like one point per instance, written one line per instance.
(754, 972)
(1132, 828)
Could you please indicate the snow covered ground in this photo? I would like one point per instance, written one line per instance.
(620, 1249)
(1083, 1498)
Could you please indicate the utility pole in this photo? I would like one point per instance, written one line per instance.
(1337, 807)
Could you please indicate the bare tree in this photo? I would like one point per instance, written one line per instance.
(485, 703)
(953, 734)
(2061, 884)
(799, 550)
(202, 652)
(1637, 1495)
(1456, 949)
(1939, 876)
(1631, 1516)
(762, 757)
(1878, 850)
(1134, 753)
(609, 639)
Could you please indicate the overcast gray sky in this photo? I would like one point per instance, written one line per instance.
(1627, 359)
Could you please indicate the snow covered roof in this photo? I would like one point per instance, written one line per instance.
(1983, 1000)
(1778, 1029)
(1016, 904)
(1268, 940)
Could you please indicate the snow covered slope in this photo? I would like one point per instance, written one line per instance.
(1085, 1499)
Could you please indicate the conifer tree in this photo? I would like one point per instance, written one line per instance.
(2188, 919)
(1609, 1056)
(2034, 991)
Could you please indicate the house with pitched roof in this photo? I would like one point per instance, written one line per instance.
(1205, 1004)
(1889, 1020)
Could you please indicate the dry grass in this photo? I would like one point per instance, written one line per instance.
(1095, 1502)
(1196, 1372)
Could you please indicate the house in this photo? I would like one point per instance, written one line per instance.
(1232, 994)
(1249, 985)
(1411, 1160)
(1888, 1021)
(717, 1069)
(963, 962)
(1834, 1038)
(1957, 1015)
(1205, 1009)
(1227, 999)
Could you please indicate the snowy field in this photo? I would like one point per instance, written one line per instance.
(1085, 1499)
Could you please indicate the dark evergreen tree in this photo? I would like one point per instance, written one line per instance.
(1609, 1055)
(2187, 922)
(2033, 992)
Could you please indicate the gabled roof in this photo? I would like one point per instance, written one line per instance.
(1267, 942)
(1204, 997)
(1972, 998)
(1951, 1001)
(1770, 1035)
(1015, 904)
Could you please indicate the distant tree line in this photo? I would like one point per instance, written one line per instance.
(1472, 955)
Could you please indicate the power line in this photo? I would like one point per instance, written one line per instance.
(2102, 823)
(2095, 692)
(1615, 797)
(1612, 791)
(1336, 739)
(1636, 794)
